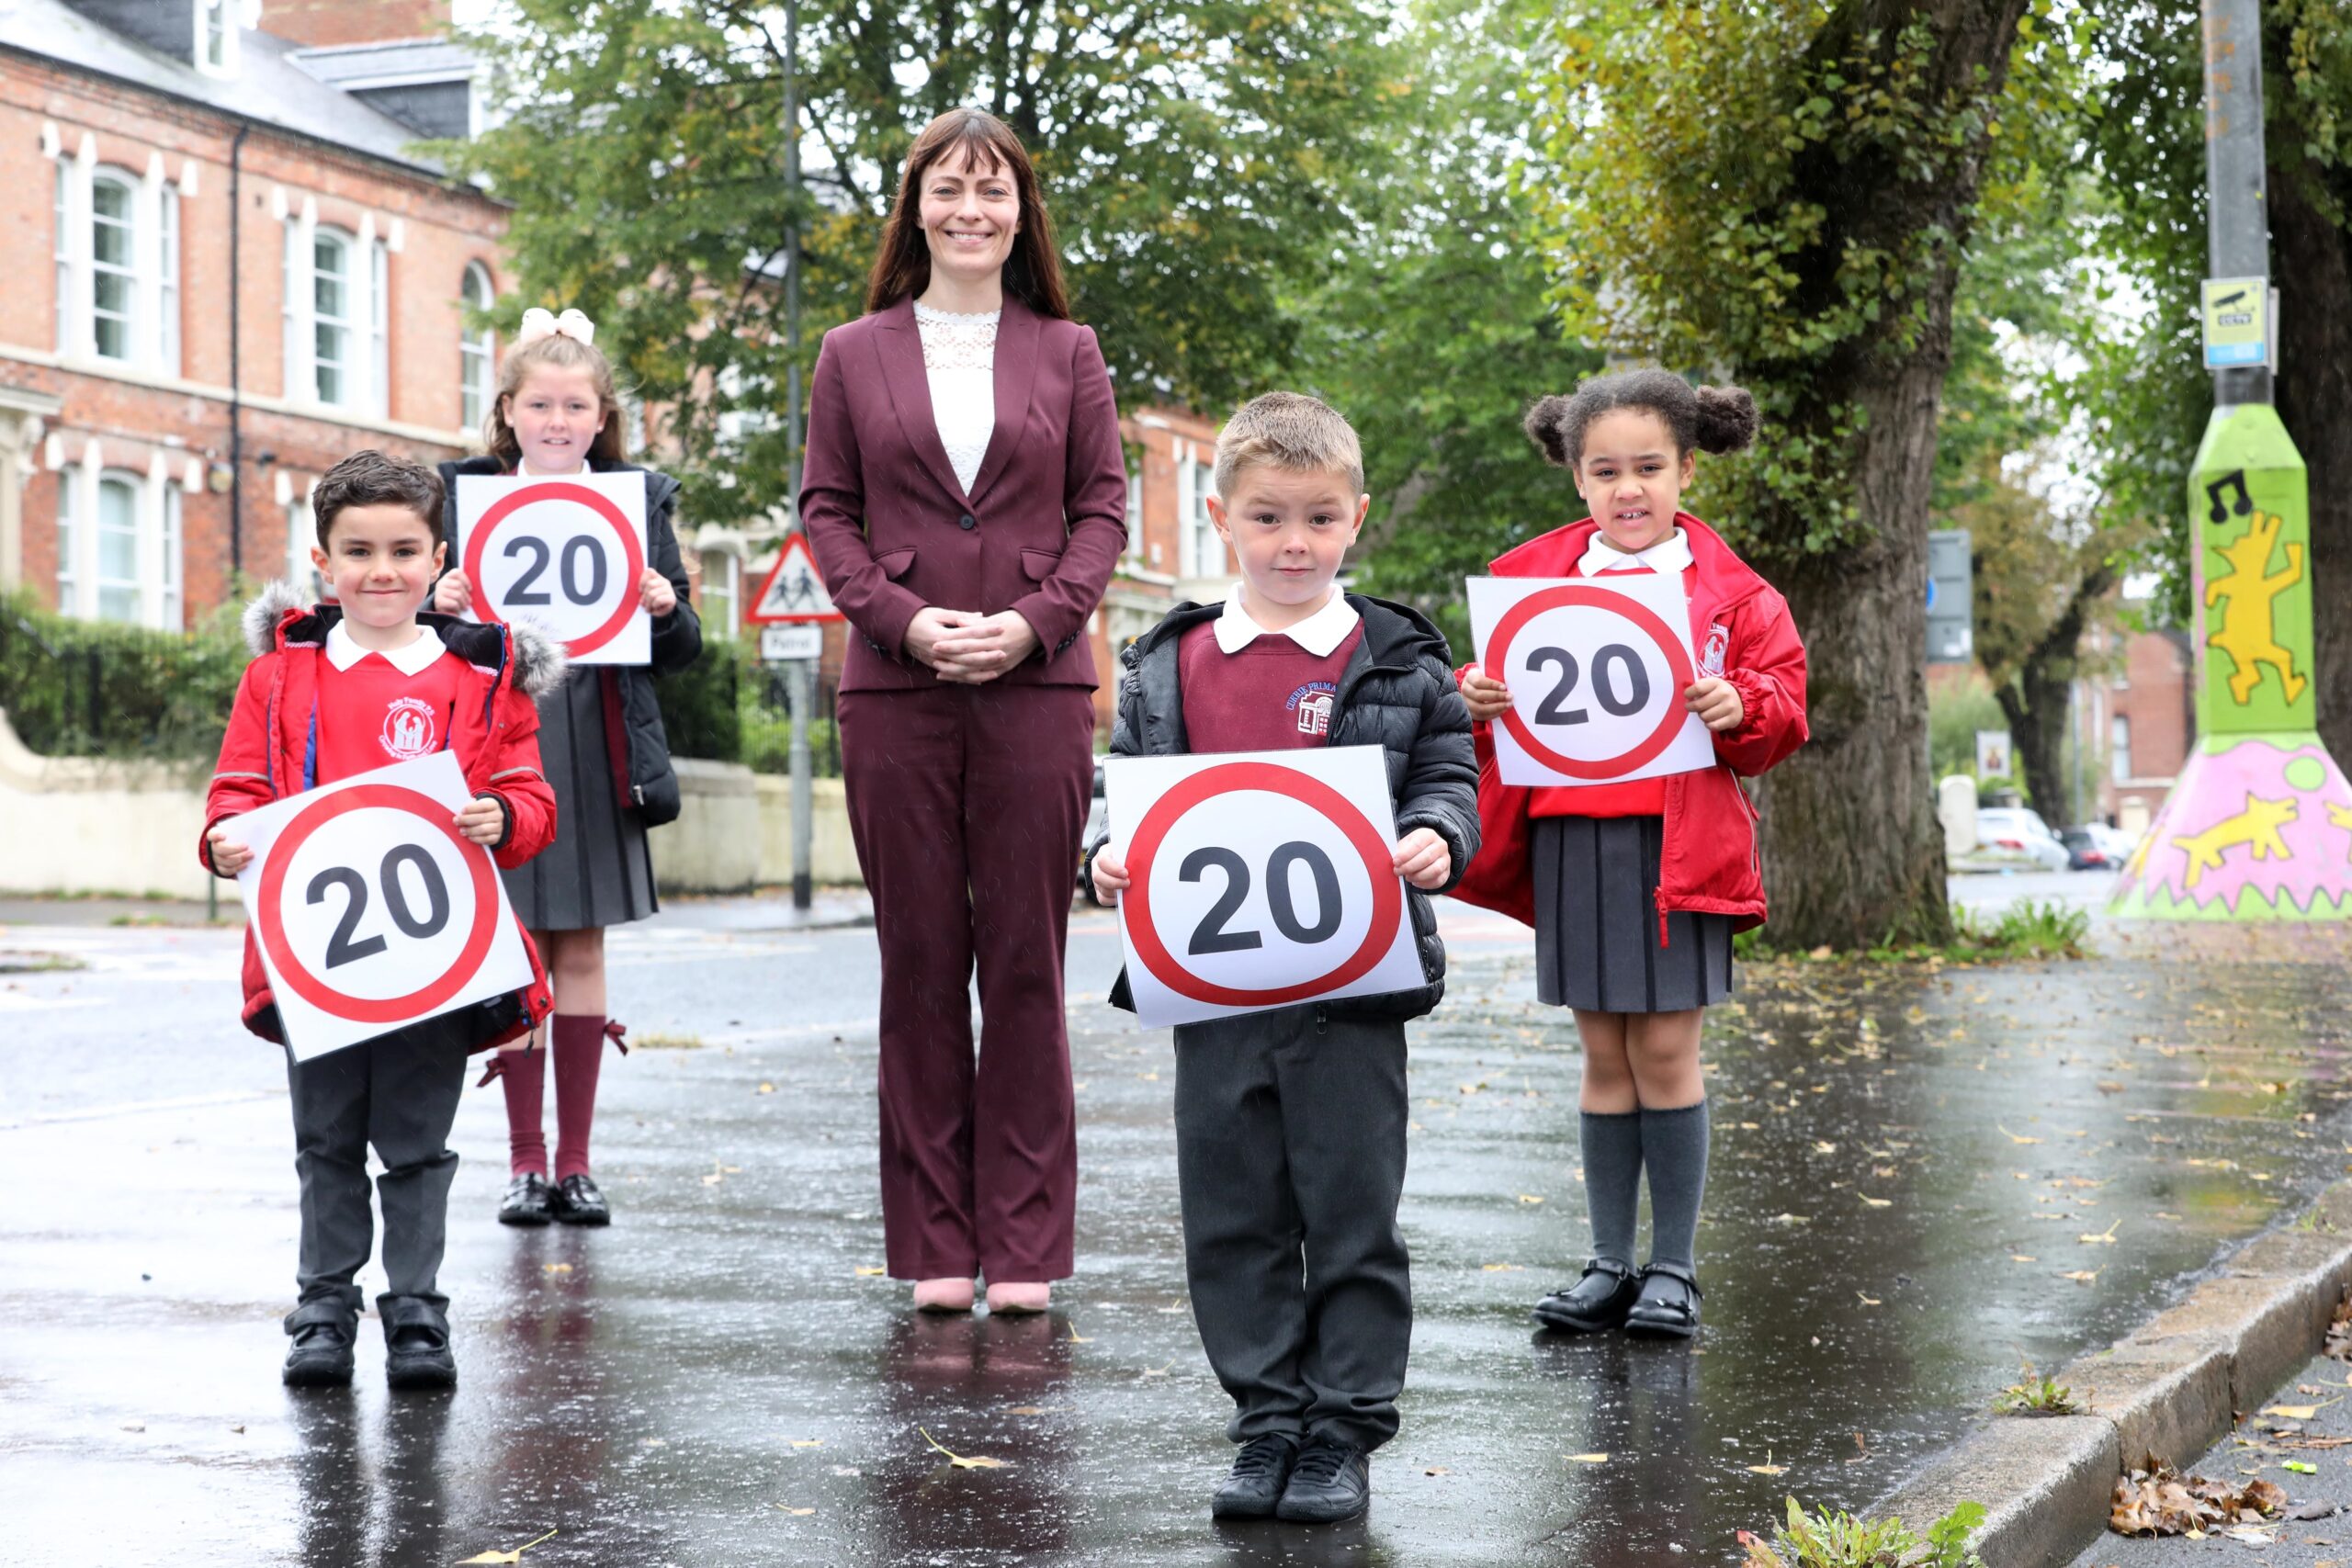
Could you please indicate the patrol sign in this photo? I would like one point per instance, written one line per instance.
(370, 909)
(1261, 879)
(567, 552)
(1598, 668)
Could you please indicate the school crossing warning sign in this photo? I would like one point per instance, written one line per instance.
(795, 589)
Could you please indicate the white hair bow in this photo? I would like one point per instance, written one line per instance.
(538, 323)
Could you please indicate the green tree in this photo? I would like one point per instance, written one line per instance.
(1197, 158)
(2151, 384)
(1779, 191)
(1434, 333)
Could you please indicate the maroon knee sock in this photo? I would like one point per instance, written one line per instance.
(579, 1052)
(524, 1075)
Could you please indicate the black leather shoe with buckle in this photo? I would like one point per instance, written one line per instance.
(1331, 1481)
(1668, 1305)
(1596, 1302)
(416, 1343)
(320, 1355)
(577, 1201)
(1260, 1470)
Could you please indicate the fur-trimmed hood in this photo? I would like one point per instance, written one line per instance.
(278, 617)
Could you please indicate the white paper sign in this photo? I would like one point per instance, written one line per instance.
(370, 910)
(1597, 668)
(1262, 879)
(567, 552)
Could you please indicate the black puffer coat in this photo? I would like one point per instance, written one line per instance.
(677, 636)
(1398, 693)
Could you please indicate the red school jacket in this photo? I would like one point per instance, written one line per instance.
(1709, 863)
(262, 761)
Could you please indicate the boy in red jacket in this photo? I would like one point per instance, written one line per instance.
(339, 690)
(1636, 887)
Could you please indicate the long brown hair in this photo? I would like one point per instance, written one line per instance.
(556, 352)
(1033, 271)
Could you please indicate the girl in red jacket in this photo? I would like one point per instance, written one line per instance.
(1635, 889)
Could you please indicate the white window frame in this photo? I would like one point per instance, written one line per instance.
(154, 594)
(1198, 551)
(380, 327)
(361, 376)
(2119, 760)
(477, 351)
(344, 324)
(723, 593)
(133, 286)
(69, 506)
(61, 249)
(1135, 514)
(128, 485)
(167, 279)
(215, 41)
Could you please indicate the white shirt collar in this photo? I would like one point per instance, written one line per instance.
(1669, 556)
(1319, 634)
(524, 469)
(343, 650)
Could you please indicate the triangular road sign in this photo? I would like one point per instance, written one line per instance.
(794, 591)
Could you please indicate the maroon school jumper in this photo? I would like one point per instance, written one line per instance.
(1269, 694)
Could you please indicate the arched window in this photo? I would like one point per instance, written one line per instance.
(114, 263)
(331, 323)
(118, 547)
(476, 350)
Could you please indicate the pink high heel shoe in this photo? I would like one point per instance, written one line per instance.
(1019, 1301)
(943, 1295)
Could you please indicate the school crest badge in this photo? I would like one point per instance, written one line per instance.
(411, 729)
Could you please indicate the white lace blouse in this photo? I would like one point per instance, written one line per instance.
(959, 360)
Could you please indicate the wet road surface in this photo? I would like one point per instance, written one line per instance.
(1921, 1177)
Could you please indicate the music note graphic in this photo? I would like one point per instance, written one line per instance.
(2240, 507)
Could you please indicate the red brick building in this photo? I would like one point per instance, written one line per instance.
(229, 269)
(2139, 716)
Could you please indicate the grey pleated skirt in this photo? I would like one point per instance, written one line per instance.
(1596, 922)
(599, 870)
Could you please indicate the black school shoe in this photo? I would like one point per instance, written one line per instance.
(416, 1343)
(1330, 1482)
(1260, 1470)
(529, 1200)
(1596, 1302)
(320, 1357)
(1668, 1307)
(576, 1201)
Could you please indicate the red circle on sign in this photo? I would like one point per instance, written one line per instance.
(317, 992)
(1676, 662)
(1379, 859)
(632, 554)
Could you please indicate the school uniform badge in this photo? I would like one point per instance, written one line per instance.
(1710, 662)
(410, 727)
(1312, 704)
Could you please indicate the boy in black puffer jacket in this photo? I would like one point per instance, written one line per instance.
(1289, 1123)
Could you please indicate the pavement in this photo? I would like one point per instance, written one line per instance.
(1924, 1176)
(2266, 1445)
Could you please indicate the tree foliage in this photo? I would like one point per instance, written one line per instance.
(1197, 156)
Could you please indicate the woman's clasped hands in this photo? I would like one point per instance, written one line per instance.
(966, 648)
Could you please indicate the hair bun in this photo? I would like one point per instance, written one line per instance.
(1727, 419)
(1547, 427)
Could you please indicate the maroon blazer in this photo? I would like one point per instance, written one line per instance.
(893, 531)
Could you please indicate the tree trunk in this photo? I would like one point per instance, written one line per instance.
(2313, 266)
(1852, 853)
(2038, 700)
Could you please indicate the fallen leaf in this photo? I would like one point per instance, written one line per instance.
(1767, 1467)
(2081, 1276)
(976, 1462)
(871, 1273)
(808, 1443)
(1869, 1301)
(1586, 1459)
(1026, 1410)
(555, 1269)
(2023, 1258)
(1437, 1470)
(1820, 1147)
(1875, 1202)
(795, 1513)
(1077, 1339)
(1528, 1198)
(2301, 1412)
(1792, 1218)
(2100, 1238)
(770, 1088)
(2300, 1468)
(1503, 1268)
(514, 1556)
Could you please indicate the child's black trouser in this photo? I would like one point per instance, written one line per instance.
(1290, 1158)
(399, 1092)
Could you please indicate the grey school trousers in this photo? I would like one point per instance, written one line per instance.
(399, 1092)
(1290, 1160)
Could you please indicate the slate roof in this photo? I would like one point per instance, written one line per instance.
(270, 85)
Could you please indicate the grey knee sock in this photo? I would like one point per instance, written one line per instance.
(1674, 1147)
(1613, 1181)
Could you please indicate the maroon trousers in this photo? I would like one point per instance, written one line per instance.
(968, 803)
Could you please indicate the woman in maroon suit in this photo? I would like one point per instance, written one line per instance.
(965, 496)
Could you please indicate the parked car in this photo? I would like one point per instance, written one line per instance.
(2114, 842)
(2016, 838)
(2084, 851)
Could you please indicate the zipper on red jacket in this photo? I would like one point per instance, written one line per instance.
(1661, 918)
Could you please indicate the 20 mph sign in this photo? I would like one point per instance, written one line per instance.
(371, 911)
(1597, 668)
(1262, 879)
(567, 552)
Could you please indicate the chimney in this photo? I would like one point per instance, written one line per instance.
(325, 24)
